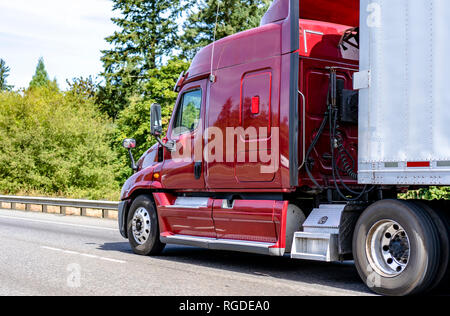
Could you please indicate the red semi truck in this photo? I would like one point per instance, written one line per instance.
(296, 138)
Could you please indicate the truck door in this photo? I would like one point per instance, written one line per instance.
(255, 112)
(245, 106)
(183, 169)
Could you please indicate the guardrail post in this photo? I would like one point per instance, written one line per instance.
(13, 206)
(3, 206)
(83, 211)
(63, 210)
(105, 213)
(44, 209)
(28, 207)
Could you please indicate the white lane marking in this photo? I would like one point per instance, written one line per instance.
(111, 260)
(58, 223)
(89, 256)
(83, 254)
(71, 252)
(50, 248)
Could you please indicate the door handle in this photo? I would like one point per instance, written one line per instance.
(198, 170)
(303, 129)
(228, 204)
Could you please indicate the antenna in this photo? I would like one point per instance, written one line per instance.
(212, 77)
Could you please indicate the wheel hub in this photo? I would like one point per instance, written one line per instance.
(388, 248)
(399, 248)
(141, 226)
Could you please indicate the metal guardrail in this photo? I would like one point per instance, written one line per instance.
(82, 205)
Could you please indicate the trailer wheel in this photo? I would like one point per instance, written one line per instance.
(396, 248)
(143, 227)
(437, 211)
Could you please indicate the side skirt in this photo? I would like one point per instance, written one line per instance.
(224, 244)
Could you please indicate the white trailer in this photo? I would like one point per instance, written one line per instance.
(404, 107)
(402, 247)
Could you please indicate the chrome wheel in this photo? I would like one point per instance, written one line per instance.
(141, 226)
(388, 248)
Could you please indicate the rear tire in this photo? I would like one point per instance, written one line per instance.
(439, 219)
(396, 248)
(143, 227)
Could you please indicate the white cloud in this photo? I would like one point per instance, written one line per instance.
(69, 34)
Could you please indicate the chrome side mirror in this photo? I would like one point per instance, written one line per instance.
(129, 143)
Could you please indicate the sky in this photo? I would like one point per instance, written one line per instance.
(68, 34)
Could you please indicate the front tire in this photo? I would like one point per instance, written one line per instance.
(396, 248)
(143, 227)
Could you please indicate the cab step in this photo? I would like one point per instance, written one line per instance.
(224, 244)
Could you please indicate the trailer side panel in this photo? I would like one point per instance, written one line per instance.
(404, 132)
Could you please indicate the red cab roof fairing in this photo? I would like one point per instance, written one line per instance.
(345, 12)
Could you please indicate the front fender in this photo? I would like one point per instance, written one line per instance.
(143, 180)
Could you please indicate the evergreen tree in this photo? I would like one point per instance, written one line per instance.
(234, 16)
(134, 121)
(40, 78)
(148, 31)
(84, 87)
(4, 73)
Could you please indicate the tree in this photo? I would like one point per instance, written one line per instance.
(40, 78)
(56, 144)
(134, 121)
(4, 73)
(148, 31)
(84, 87)
(234, 16)
(432, 193)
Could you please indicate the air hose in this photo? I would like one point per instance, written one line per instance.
(311, 148)
(336, 143)
(343, 153)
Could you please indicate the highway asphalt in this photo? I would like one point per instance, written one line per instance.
(43, 254)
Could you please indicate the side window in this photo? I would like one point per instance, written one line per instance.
(188, 113)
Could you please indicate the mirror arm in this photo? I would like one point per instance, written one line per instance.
(133, 162)
(170, 146)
